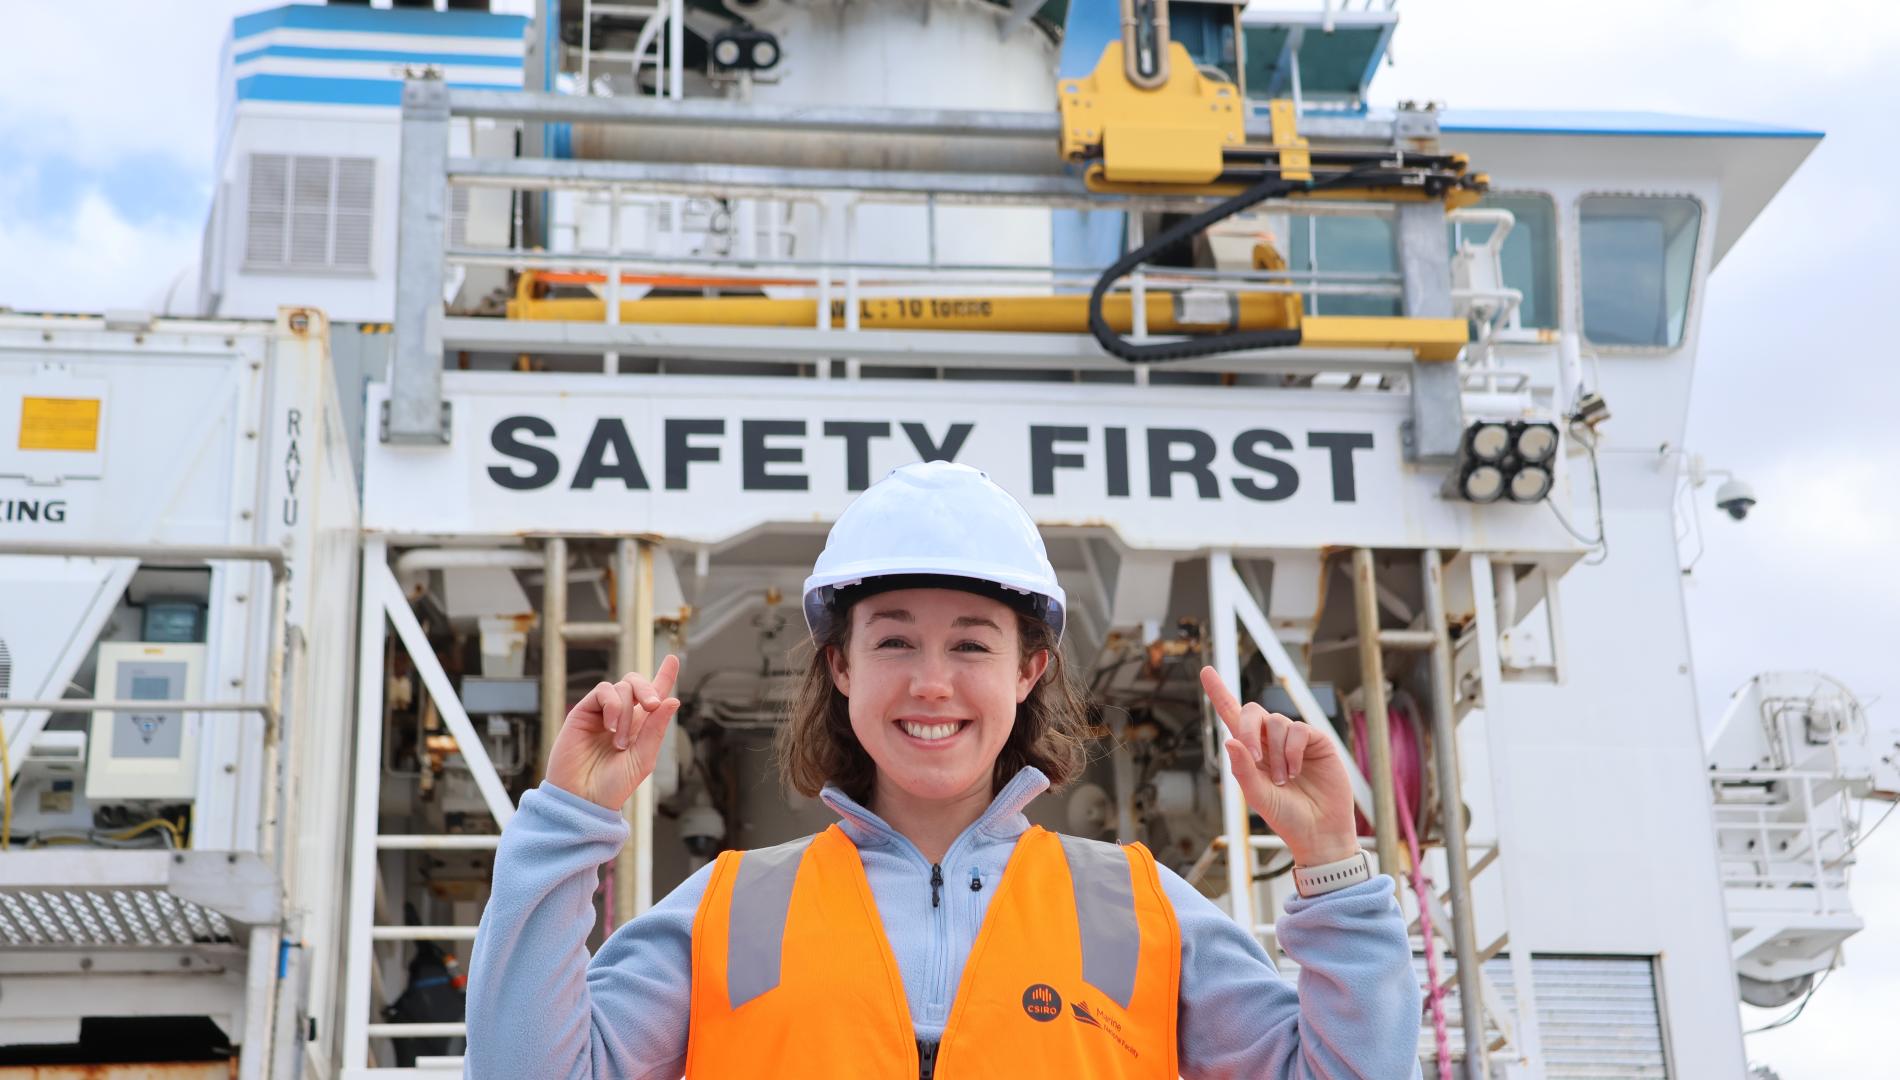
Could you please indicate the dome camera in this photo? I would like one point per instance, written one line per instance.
(1735, 497)
(702, 828)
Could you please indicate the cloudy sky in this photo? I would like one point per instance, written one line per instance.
(107, 124)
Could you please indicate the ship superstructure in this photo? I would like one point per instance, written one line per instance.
(1382, 417)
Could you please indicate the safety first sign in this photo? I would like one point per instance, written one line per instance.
(705, 459)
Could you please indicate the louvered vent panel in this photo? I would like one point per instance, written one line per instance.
(266, 199)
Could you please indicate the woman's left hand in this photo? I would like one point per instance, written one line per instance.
(1291, 775)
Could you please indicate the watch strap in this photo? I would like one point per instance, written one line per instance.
(1330, 877)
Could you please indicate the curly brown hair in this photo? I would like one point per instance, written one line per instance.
(816, 745)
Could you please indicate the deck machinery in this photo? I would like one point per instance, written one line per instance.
(1319, 395)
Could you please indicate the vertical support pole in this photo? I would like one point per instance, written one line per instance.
(415, 412)
(1451, 807)
(852, 301)
(553, 645)
(270, 823)
(361, 954)
(676, 46)
(824, 207)
(587, 48)
(1385, 801)
(1223, 620)
(1122, 764)
(1437, 422)
(260, 1001)
(611, 363)
(643, 797)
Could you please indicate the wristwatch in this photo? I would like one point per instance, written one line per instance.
(1332, 876)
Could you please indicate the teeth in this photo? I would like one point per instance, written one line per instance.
(930, 731)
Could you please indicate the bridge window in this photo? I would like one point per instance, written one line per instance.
(1529, 257)
(1638, 256)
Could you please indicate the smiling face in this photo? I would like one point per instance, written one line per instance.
(934, 677)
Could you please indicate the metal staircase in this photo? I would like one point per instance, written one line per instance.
(1504, 1027)
(373, 920)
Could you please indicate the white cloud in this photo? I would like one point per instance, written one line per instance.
(109, 78)
(95, 254)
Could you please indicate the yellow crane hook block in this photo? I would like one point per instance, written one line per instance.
(1176, 133)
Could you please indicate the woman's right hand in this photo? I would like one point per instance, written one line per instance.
(610, 741)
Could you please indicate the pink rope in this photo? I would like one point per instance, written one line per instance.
(1406, 762)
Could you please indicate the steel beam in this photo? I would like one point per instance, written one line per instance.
(415, 412)
(1221, 583)
(1438, 421)
(1528, 1041)
(769, 180)
(1385, 818)
(383, 588)
(156, 553)
(359, 958)
(1451, 808)
(989, 124)
(897, 348)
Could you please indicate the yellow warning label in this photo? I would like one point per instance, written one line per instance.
(53, 423)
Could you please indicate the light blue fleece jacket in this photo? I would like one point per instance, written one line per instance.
(537, 1007)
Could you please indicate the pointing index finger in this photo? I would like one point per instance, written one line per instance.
(666, 676)
(1225, 703)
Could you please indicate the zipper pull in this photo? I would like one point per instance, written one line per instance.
(926, 1060)
(976, 880)
(936, 885)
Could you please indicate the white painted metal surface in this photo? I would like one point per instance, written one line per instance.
(219, 439)
(703, 459)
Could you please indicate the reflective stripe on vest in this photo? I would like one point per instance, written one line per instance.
(1075, 972)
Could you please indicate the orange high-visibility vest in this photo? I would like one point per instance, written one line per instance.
(1075, 973)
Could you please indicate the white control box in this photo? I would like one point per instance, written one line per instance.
(145, 753)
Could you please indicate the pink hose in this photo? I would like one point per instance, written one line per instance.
(1407, 775)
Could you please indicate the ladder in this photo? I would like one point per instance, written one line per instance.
(1491, 1027)
(375, 915)
(657, 17)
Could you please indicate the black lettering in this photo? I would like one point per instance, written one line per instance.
(1286, 479)
(28, 511)
(1115, 440)
(293, 422)
(507, 441)
(857, 436)
(1043, 458)
(755, 455)
(609, 434)
(1162, 464)
(56, 511)
(680, 453)
(291, 508)
(1342, 444)
(929, 451)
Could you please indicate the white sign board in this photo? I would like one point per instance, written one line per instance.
(704, 459)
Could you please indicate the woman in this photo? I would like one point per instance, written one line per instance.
(932, 931)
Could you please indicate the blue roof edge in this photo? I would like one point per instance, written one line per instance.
(383, 20)
(1599, 122)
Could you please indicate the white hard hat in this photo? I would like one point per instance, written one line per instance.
(935, 519)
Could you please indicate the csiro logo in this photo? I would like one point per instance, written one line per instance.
(1042, 1003)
